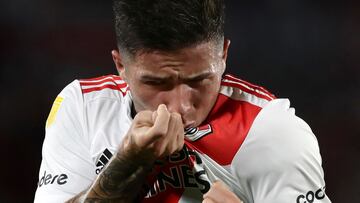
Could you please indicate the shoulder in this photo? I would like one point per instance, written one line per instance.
(278, 134)
(279, 142)
(276, 138)
(275, 121)
(82, 91)
(110, 86)
(280, 156)
(243, 100)
(113, 82)
(241, 90)
(246, 87)
(236, 107)
(278, 124)
(84, 99)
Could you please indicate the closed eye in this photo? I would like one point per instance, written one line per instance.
(155, 82)
(198, 81)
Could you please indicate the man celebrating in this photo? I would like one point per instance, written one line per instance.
(172, 127)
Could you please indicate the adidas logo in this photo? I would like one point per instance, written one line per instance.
(103, 160)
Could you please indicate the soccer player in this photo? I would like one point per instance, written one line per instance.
(172, 127)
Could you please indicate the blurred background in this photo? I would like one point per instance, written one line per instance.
(308, 51)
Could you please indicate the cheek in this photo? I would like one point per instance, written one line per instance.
(206, 95)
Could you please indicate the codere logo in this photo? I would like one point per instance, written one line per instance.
(52, 179)
(311, 196)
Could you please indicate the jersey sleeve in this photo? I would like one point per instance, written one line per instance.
(66, 168)
(279, 160)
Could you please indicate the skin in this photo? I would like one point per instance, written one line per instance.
(187, 81)
(218, 193)
(170, 91)
(152, 134)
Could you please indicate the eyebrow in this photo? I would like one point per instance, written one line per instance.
(152, 77)
(198, 76)
(190, 78)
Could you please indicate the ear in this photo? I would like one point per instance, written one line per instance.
(225, 49)
(119, 63)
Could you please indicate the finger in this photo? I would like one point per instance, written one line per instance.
(173, 134)
(170, 141)
(144, 117)
(180, 134)
(154, 115)
(214, 193)
(219, 192)
(221, 185)
(142, 122)
(161, 123)
(180, 140)
(165, 142)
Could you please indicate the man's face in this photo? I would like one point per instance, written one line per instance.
(187, 81)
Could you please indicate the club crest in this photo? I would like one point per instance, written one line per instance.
(194, 134)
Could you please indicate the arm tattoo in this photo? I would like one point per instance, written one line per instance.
(120, 181)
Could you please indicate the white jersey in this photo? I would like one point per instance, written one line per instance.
(250, 140)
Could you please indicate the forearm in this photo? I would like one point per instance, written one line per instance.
(120, 181)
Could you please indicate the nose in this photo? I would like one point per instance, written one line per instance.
(180, 100)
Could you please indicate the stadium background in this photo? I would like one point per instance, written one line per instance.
(308, 51)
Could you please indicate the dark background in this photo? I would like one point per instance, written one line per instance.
(307, 51)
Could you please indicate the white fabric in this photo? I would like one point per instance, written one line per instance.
(280, 159)
(278, 162)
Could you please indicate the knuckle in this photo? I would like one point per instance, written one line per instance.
(141, 115)
(174, 149)
(159, 132)
(156, 136)
(216, 184)
(163, 111)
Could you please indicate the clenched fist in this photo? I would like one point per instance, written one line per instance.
(159, 133)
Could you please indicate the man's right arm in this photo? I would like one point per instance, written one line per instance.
(120, 181)
(152, 135)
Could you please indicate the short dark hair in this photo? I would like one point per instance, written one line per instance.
(167, 25)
